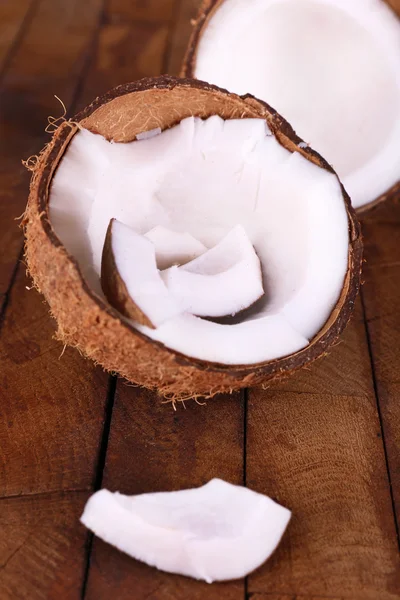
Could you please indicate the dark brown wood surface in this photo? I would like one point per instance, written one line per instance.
(326, 443)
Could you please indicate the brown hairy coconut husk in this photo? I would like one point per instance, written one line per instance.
(206, 11)
(88, 322)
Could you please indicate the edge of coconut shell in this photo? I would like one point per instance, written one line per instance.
(205, 13)
(114, 287)
(85, 320)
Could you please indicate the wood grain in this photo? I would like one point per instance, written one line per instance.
(154, 448)
(292, 597)
(49, 60)
(136, 11)
(52, 406)
(381, 294)
(320, 453)
(180, 35)
(12, 18)
(126, 51)
(42, 547)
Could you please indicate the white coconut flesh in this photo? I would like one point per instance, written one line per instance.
(223, 281)
(135, 261)
(216, 532)
(330, 67)
(174, 247)
(204, 178)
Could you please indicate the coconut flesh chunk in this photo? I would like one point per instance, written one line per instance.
(330, 67)
(173, 247)
(131, 280)
(223, 281)
(204, 177)
(216, 532)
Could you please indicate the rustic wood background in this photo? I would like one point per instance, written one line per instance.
(325, 444)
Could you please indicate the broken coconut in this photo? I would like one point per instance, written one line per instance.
(331, 67)
(216, 532)
(221, 160)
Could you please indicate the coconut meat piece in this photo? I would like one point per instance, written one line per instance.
(205, 177)
(174, 247)
(330, 67)
(223, 281)
(131, 280)
(216, 532)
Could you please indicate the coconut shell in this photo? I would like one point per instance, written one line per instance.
(87, 321)
(200, 23)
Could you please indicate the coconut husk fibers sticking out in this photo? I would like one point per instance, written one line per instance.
(376, 19)
(88, 322)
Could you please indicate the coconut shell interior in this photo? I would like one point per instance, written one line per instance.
(85, 320)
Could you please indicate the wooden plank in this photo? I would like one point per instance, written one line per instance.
(52, 405)
(42, 547)
(292, 597)
(12, 18)
(320, 453)
(128, 49)
(154, 448)
(49, 61)
(381, 294)
(181, 33)
(119, 11)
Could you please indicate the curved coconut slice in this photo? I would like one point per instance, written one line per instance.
(130, 278)
(216, 532)
(236, 162)
(173, 247)
(223, 281)
(331, 67)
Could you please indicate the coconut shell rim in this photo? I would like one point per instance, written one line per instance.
(46, 167)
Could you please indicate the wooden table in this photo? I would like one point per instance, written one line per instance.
(325, 443)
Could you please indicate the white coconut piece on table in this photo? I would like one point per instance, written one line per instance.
(131, 280)
(216, 532)
(223, 281)
(330, 67)
(173, 247)
(204, 177)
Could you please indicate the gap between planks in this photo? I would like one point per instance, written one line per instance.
(112, 386)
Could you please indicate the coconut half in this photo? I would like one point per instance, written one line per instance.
(331, 67)
(219, 161)
(216, 532)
